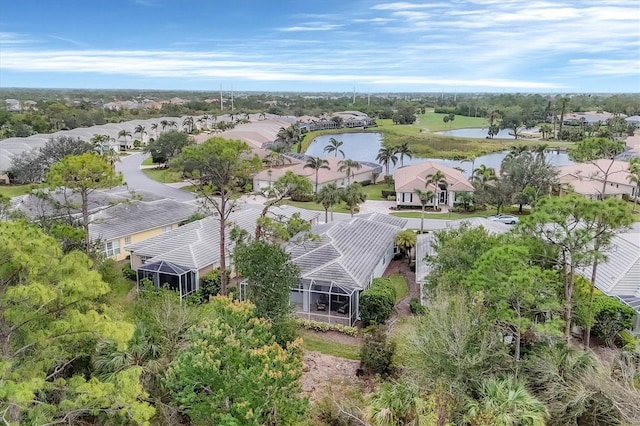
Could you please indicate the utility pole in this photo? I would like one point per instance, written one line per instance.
(221, 100)
(232, 97)
(354, 95)
(369, 98)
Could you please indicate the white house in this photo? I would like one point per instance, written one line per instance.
(409, 178)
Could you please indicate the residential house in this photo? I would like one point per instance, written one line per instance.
(424, 244)
(619, 274)
(588, 179)
(341, 263)
(180, 257)
(634, 120)
(589, 117)
(409, 178)
(136, 221)
(265, 178)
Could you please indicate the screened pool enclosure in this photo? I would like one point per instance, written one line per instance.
(168, 274)
(325, 301)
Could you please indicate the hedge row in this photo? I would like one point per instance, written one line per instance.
(325, 326)
(377, 302)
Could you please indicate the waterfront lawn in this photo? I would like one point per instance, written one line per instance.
(310, 205)
(374, 192)
(433, 122)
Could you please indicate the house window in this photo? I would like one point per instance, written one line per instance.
(127, 240)
(112, 248)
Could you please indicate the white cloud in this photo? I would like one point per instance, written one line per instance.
(312, 26)
(407, 6)
(606, 67)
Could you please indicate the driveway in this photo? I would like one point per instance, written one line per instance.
(137, 180)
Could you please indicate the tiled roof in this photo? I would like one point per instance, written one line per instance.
(409, 178)
(324, 175)
(348, 251)
(135, 217)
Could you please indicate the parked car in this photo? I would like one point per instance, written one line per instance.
(505, 218)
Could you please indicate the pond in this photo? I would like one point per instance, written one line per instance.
(475, 133)
(365, 146)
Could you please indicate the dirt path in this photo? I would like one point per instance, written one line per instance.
(401, 267)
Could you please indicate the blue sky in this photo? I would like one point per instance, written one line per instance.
(327, 45)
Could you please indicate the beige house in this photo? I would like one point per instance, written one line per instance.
(588, 179)
(265, 178)
(409, 178)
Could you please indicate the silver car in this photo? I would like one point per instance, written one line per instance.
(505, 218)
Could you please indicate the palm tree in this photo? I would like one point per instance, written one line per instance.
(290, 136)
(125, 134)
(353, 195)
(546, 130)
(406, 240)
(539, 151)
(141, 130)
(334, 146)
(438, 180)
(173, 124)
(348, 166)
(154, 127)
(187, 124)
(403, 150)
(386, 156)
(328, 196)
(316, 163)
(634, 177)
(424, 197)
(507, 402)
(111, 156)
(277, 156)
(483, 174)
(164, 124)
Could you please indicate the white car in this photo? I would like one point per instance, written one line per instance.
(505, 218)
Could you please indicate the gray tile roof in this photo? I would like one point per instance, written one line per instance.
(197, 244)
(138, 216)
(424, 247)
(348, 251)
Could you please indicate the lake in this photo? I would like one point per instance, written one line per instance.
(365, 146)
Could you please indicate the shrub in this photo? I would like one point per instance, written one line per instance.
(376, 303)
(391, 198)
(210, 285)
(366, 182)
(416, 307)
(388, 193)
(128, 272)
(627, 341)
(612, 317)
(325, 326)
(377, 351)
(137, 143)
(108, 270)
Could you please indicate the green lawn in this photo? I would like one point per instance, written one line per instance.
(14, 190)
(163, 175)
(433, 121)
(317, 342)
(374, 192)
(400, 285)
(310, 205)
(148, 162)
(119, 299)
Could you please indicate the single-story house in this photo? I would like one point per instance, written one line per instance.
(136, 221)
(588, 178)
(409, 178)
(340, 264)
(117, 217)
(619, 274)
(634, 120)
(265, 178)
(180, 257)
(424, 244)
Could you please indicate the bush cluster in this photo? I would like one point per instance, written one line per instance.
(377, 351)
(416, 307)
(376, 303)
(128, 272)
(386, 193)
(302, 197)
(324, 327)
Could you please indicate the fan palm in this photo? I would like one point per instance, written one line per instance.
(154, 127)
(386, 156)
(188, 124)
(124, 134)
(483, 174)
(403, 150)
(164, 124)
(328, 196)
(506, 402)
(348, 166)
(406, 240)
(334, 146)
(316, 163)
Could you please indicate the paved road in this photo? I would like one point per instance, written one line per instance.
(137, 180)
